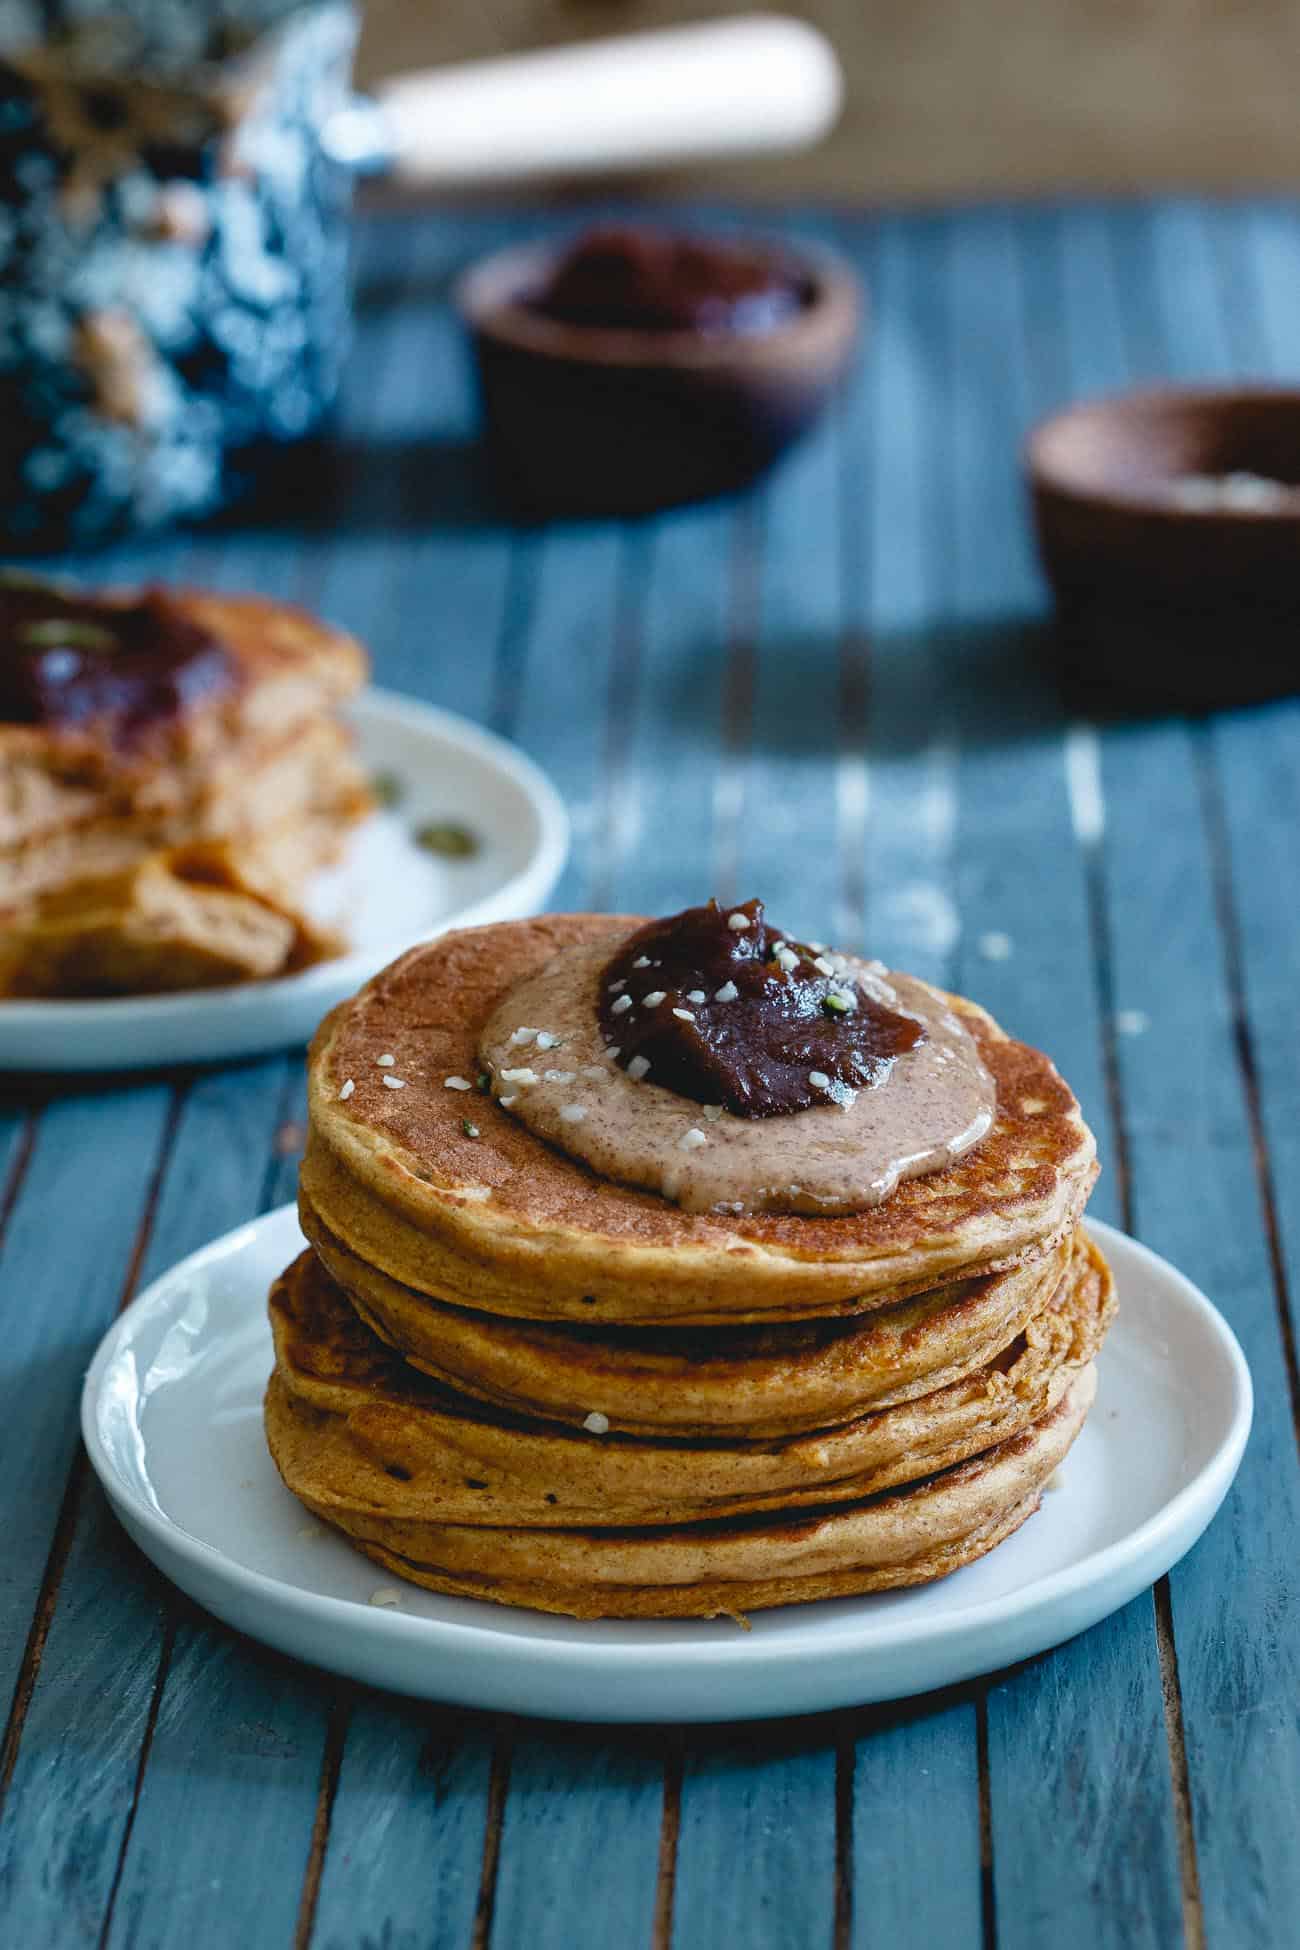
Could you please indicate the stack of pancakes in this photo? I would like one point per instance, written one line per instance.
(176, 856)
(504, 1377)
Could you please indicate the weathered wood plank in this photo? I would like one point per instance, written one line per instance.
(580, 1838)
(63, 1263)
(571, 664)
(916, 1799)
(756, 1841)
(786, 843)
(406, 1836)
(671, 782)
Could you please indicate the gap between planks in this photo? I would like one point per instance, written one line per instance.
(498, 1788)
(331, 1768)
(988, 1888)
(669, 1829)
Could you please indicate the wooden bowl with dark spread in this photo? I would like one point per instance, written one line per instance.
(631, 370)
(1169, 527)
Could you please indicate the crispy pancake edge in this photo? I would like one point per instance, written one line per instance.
(909, 1536)
(734, 1380)
(361, 1430)
(506, 1223)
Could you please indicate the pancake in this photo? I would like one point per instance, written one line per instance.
(362, 1430)
(504, 1223)
(744, 1381)
(904, 1537)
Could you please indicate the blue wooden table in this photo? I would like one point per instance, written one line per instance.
(834, 695)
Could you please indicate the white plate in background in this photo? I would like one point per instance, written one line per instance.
(171, 1416)
(394, 892)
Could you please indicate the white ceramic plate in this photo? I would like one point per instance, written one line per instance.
(394, 892)
(172, 1419)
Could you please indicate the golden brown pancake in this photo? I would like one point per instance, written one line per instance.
(260, 750)
(362, 1430)
(744, 1381)
(907, 1536)
(191, 917)
(504, 1223)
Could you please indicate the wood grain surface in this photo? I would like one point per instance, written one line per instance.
(838, 693)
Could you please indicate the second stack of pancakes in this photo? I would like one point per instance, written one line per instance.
(502, 1376)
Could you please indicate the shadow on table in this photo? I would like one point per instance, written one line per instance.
(351, 487)
(984, 684)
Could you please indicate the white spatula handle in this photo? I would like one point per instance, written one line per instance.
(746, 86)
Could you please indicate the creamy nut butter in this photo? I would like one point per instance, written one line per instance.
(732, 1069)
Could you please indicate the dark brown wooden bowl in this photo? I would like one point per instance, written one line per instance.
(593, 421)
(1153, 594)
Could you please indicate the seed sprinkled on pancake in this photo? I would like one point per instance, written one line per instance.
(450, 1083)
(597, 1423)
(347, 1090)
(386, 1061)
(397, 1083)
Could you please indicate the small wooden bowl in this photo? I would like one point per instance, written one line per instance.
(1155, 591)
(593, 421)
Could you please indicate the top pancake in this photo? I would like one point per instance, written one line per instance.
(504, 1223)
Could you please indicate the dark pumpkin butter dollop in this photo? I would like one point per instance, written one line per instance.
(727, 1010)
(619, 278)
(81, 662)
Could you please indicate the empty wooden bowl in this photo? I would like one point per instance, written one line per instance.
(591, 420)
(1169, 527)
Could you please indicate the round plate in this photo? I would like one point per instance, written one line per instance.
(438, 769)
(171, 1415)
